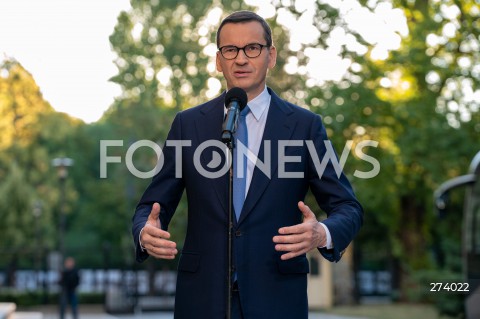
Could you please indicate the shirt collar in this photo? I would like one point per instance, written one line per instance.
(259, 104)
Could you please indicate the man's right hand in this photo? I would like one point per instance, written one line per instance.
(155, 240)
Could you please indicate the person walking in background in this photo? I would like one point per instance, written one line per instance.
(273, 228)
(69, 281)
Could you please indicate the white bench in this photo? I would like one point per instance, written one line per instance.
(7, 309)
(26, 315)
(154, 303)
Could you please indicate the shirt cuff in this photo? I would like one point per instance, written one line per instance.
(140, 241)
(328, 244)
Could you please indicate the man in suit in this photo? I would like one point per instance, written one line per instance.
(274, 229)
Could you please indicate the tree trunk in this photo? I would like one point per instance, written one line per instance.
(11, 271)
(413, 242)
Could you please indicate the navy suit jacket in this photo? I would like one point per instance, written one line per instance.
(269, 287)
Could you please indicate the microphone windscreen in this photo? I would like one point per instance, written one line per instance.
(238, 94)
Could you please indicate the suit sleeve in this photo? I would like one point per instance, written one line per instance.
(334, 195)
(165, 189)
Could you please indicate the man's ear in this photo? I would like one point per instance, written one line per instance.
(217, 62)
(272, 56)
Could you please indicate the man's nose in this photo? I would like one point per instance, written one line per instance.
(241, 57)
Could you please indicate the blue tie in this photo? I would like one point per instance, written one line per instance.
(240, 178)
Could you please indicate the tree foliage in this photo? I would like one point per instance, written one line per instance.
(419, 101)
(32, 135)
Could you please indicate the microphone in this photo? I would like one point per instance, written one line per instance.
(235, 100)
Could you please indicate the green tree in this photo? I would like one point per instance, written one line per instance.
(16, 216)
(21, 102)
(33, 136)
(419, 103)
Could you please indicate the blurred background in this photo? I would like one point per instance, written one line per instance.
(403, 73)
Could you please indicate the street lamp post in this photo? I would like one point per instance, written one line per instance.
(37, 212)
(62, 164)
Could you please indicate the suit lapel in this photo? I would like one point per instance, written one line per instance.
(279, 126)
(209, 127)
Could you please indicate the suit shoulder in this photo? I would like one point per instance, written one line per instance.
(290, 108)
(302, 110)
(204, 107)
(302, 113)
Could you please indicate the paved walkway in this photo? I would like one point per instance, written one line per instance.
(169, 315)
(96, 312)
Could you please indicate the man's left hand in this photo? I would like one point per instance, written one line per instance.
(300, 239)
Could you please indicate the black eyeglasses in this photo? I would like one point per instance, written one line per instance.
(251, 50)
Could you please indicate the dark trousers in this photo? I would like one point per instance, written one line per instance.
(68, 297)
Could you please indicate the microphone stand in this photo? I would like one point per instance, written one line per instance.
(227, 138)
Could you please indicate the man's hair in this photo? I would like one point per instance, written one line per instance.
(246, 16)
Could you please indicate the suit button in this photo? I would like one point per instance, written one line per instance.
(238, 233)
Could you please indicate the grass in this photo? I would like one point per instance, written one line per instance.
(389, 311)
(382, 311)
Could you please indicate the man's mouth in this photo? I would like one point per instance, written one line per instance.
(241, 74)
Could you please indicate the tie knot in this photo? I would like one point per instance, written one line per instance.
(245, 111)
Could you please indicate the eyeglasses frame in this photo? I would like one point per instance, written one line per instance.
(243, 49)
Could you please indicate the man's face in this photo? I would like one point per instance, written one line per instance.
(244, 72)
